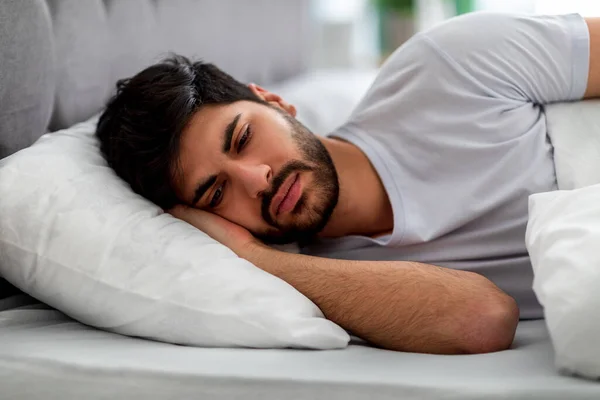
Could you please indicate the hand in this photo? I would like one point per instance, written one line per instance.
(234, 236)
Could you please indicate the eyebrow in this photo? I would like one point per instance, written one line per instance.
(203, 187)
(228, 134)
(227, 139)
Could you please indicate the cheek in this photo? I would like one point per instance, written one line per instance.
(275, 141)
(243, 210)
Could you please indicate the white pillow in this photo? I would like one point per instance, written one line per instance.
(73, 235)
(563, 239)
(574, 129)
(563, 235)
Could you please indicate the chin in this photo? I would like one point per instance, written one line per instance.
(302, 225)
(319, 193)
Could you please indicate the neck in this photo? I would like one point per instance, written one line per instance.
(363, 206)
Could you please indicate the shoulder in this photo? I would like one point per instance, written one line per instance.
(472, 36)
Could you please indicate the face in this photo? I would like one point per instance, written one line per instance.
(258, 167)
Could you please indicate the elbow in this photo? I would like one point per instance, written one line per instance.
(492, 326)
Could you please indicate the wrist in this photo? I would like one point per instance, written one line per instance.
(259, 254)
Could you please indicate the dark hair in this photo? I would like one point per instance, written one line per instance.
(141, 127)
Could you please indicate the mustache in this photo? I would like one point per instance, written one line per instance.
(288, 169)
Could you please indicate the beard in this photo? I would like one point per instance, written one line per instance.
(309, 216)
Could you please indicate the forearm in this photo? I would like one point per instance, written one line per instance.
(401, 305)
(395, 305)
(593, 86)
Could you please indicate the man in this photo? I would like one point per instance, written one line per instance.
(412, 214)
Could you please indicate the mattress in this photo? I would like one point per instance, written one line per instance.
(45, 355)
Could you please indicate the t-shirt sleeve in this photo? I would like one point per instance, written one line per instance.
(537, 59)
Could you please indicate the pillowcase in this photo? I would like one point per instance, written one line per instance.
(74, 235)
(563, 237)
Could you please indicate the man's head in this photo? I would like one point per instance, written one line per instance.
(183, 132)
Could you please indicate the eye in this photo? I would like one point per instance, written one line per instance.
(244, 139)
(217, 196)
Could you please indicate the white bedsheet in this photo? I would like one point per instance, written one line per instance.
(44, 355)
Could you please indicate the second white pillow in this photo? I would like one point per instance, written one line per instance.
(563, 240)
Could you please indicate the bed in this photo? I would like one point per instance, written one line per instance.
(58, 63)
(45, 355)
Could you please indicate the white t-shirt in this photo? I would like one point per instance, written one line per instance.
(454, 124)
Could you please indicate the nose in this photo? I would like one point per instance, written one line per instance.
(255, 178)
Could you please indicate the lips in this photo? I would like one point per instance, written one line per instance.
(282, 194)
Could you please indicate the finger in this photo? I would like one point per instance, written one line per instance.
(203, 220)
(178, 211)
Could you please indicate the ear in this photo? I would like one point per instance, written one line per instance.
(272, 98)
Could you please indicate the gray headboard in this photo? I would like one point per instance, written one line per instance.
(59, 59)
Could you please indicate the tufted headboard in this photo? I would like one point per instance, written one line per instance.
(59, 59)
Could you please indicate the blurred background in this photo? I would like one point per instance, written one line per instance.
(362, 33)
